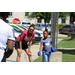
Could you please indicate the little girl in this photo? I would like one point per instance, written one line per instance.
(45, 47)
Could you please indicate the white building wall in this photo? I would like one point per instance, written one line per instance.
(68, 20)
(22, 17)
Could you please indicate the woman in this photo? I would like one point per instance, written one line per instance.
(45, 47)
(21, 43)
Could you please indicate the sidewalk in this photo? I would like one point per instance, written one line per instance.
(62, 35)
(34, 49)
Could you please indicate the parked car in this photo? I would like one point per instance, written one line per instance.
(18, 29)
(41, 27)
(67, 29)
(37, 38)
(36, 31)
(25, 23)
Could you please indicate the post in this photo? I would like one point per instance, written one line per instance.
(54, 28)
(57, 30)
(51, 23)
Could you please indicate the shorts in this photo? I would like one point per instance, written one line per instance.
(24, 46)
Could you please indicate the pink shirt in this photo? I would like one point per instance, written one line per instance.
(26, 36)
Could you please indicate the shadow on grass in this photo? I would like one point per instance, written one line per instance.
(64, 51)
(66, 40)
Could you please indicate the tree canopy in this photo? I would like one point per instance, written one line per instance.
(47, 15)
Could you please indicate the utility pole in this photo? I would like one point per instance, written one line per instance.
(55, 14)
(51, 24)
(57, 30)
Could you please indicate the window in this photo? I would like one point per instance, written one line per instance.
(10, 13)
(38, 25)
(73, 26)
(47, 21)
(17, 29)
(38, 20)
(63, 21)
(26, 13)
(67, 27)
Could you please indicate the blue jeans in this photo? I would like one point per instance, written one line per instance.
(46, 57)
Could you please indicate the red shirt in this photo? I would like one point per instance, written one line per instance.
(26, 36)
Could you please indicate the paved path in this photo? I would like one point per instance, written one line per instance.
(62, 35)
(34, 49)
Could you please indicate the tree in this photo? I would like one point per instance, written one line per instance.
(47, 15)
(72, 13)
(63, 15)
(42, 15)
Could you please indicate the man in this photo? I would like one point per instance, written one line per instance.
(21, 43)
(6, 37)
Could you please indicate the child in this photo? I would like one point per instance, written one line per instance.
(45, 47)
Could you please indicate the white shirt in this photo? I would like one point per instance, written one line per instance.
(6, 32)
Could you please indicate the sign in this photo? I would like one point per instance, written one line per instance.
(59, 21)
(27, 19)
(16, 21)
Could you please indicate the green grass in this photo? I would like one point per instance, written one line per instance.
(67, 55)
(66, 43)
(39, 59)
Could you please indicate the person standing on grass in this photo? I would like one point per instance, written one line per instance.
(21, 43)
(6, 37)
(45, 47)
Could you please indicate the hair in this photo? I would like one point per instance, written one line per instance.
(46, 30)
(3, 14)
(32, 26)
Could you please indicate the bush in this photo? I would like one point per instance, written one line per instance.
(61, 25)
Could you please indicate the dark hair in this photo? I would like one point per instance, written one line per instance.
(46, 30)
(3, 14)
(32, 26)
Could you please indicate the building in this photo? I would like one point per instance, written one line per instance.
(23, 17)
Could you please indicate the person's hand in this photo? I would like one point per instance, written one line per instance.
(53, 49)
(39, 53)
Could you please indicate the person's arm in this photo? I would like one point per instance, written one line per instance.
(21, 38)
(30, 43)
(51, 44)
(9, 48)
(20, 43)
(10, 42)
(41, 46)
(29, 51)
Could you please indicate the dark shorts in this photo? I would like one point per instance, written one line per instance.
(24, 46)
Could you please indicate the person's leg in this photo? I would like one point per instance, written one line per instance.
(18, 55)
(45, 57)
(29, 54)
(18, 51)
(49, 56)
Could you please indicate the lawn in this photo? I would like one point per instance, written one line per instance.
(66, 43)
(67, 55)
(39, 59)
